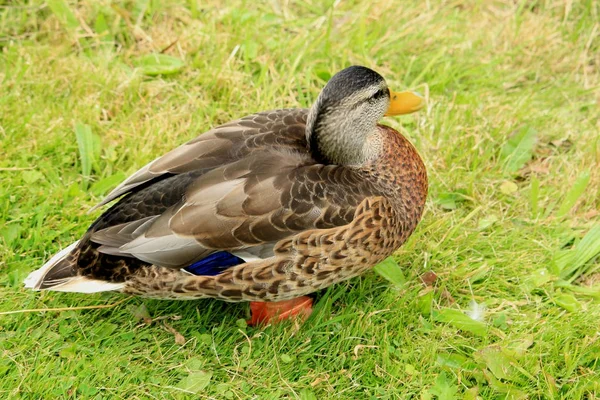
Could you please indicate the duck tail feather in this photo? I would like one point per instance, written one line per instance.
(60, 274)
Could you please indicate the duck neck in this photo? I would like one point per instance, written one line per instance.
(338, 138)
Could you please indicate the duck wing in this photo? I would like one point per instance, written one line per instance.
(220, 146)
(240, 188)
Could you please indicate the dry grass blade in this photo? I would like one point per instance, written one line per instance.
(58, 309)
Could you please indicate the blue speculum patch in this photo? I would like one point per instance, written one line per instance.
(214, 264)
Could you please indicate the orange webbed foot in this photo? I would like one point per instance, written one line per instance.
(273, 312)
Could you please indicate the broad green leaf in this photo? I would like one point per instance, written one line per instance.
(100, 25)
(572, 263)
(250, 49)
(508, 389)
(424, 303)
(519, 149)
(574, 194)
(194, 364)
(140, 312)
(454, 360)
(32, 176)
(498, 362)
(410, 369)
(593, 291)
(84, 141)
(286, 358)
(451, 200)
(538, 278)
(61, 9)
(159, 64)
(195, 382)
(500, 321)
(561, 260)
(241, 323)
(444, 388)
(102, 29)
(70, 350)
(87, 390)
(73, 191)
(89, 149)
(323, 74)
(517, 348)
(391, 271)
(471, 394)
(425, 395)
(10, 233)
(567, 301)
(104, 330)
(485, 223)
(103, 185)
(461, 321)
(222, 388)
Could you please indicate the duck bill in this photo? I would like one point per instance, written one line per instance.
(404, 103)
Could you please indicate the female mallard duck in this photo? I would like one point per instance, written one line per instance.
(267, 208)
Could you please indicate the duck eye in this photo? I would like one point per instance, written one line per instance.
(380, 93)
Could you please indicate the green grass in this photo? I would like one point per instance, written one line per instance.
(511, 138)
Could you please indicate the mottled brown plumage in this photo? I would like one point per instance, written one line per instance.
(277, 189)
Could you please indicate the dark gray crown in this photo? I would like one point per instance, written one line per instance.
(350, 80)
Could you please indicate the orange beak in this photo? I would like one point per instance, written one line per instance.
(404, 103)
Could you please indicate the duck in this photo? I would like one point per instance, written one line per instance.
(266, 209)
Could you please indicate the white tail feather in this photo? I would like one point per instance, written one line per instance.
(79, 284)
(35, 279)
(82, 284)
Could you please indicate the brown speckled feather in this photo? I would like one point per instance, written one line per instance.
(258, 189)
(316, 258)
(265, 188)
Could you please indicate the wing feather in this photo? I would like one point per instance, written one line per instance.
(244, 186)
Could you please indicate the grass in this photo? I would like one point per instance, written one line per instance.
(508, 246)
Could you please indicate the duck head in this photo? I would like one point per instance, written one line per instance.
(342, 124)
